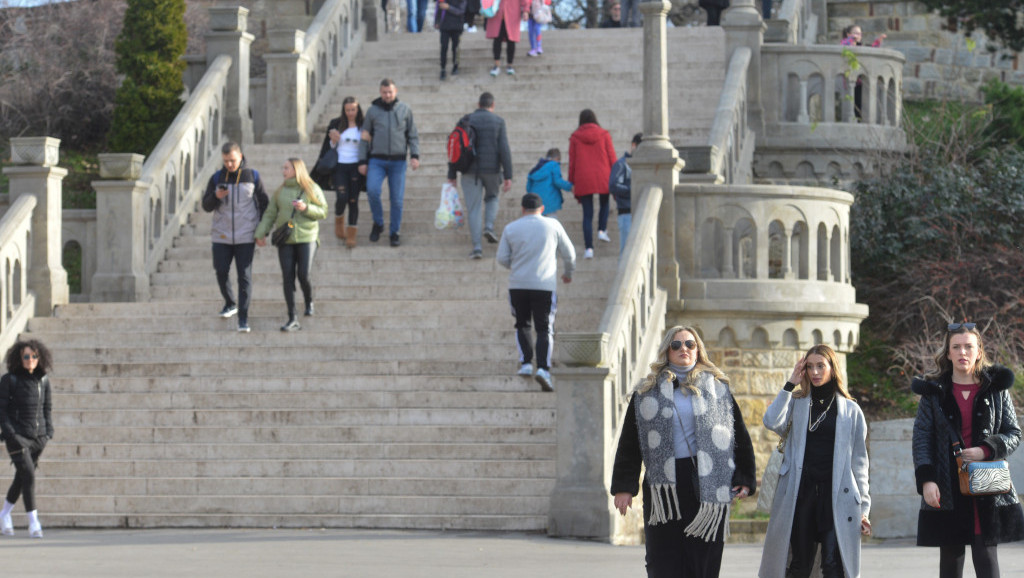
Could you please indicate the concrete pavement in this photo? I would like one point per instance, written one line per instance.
(386, 554)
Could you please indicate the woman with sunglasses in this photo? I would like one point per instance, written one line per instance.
(685, 427)
(342, 143)
(826, 434)
(26, 425)
(964, 401)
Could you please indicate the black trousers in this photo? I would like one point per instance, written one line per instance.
(539, 307)
(813, 524)
(347, 184)
(670, 552)
(511, 46)
(242, 255)
(296, 260)
(453, 37)
(985, 558)
(25, 463)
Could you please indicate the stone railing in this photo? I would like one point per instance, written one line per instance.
(140, 207)
(304, 68)
(15, 238)
(798, 22)
(598, 370)
(728, 157)
(810, 97)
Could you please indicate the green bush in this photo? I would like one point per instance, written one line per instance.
(1007, 104)
(149, 51)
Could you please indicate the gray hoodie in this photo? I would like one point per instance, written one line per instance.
(392, 132)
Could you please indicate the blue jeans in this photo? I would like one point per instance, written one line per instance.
(534, 29)
(588, 217)
(625, 222)
(417, 14)
(376, 170)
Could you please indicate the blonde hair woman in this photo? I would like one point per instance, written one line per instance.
(685, 427)
(827, 433)
(300, 201)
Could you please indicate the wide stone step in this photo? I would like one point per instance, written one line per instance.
(503, 381)
(268, 291)
(380, 370)
(318, 400)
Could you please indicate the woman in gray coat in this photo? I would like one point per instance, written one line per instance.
(822, 496)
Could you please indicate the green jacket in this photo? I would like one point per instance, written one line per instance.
(307, 229)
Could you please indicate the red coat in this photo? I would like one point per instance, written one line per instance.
(512, 12)
(591, 156)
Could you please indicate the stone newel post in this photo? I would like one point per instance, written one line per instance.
(657, 162)
(228, 36)
(743, 26)
(35, 173)
(120, 225)
(287, 87)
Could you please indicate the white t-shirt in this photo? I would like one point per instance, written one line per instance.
(348, 146)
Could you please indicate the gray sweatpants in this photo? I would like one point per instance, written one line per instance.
(479, 189)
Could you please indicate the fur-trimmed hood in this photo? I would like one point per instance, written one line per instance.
(996, 378)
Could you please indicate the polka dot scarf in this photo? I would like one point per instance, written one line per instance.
(712, 410)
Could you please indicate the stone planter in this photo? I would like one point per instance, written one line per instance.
(121, 166)
(582, 349)
(37, 150)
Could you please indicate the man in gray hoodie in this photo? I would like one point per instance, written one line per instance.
(530, 247)
(480, 181)
(389, 134)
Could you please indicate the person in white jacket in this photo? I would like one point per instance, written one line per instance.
(529, 248)
(822, 496)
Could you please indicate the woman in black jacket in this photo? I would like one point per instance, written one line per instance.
(966, 400)
(26, 424)
(685, 427)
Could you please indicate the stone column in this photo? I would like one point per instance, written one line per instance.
(120, 230)
(727, 272)
(787, 254)
(228, 36)
(656, 162)
(35, 172)
(743, 26)
(287, 88)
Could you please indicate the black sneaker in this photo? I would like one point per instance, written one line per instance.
(375, 232)
(490, 236)
(395, 240)
(455, 70)
(228, 311)
(444, 74)
(292, 325)
(309, 309)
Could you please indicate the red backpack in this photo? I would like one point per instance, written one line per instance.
(461, 145)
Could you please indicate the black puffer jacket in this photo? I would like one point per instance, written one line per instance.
(25, 404)
(937, 426)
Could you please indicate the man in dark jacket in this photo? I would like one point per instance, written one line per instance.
(480, 180)
(237, 199)
(389, 133)
(619, 184)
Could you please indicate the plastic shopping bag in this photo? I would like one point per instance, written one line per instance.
(449, 213)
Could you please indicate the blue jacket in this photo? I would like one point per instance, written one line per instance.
(619, 183)
(545, 180)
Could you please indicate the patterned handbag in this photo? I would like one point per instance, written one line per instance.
(770, 479)
(982, 478)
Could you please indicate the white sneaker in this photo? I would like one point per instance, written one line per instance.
(471, 29)
(602, 235)
(544, 379)
(495, 71)
(526, 370)
(588, 254)
(6, 526)
(35, 531)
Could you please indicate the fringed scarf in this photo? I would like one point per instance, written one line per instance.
(712, 410)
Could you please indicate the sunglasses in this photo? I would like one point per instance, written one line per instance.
(29, 356)
(957, 326)
(677, 345)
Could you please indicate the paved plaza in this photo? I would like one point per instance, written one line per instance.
(385, 554)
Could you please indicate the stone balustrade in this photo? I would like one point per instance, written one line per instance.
(18, 305)
(810, 97)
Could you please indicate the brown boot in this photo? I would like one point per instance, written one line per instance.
(350, 239)
(339, 227)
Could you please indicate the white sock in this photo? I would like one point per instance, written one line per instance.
(7, 509)
(33, 519)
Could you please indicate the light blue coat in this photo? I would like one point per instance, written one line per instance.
(850, 497)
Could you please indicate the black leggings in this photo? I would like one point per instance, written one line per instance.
(986, 561)
(452, 36)
(295, 260)
(347, 183)
(510, 50)
(813, 524)
(25, 463)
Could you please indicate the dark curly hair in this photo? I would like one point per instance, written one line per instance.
(13, 356)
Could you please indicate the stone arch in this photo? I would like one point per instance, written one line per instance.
(823, 252)
(775, 170)
(711, 234)
(837, 339)
(727, 338)
(799, 248)
(836, 265)
(745, 246)
(862, 85)
(891, 103)
(816, 98)
(881, 115)
(833, 171)
(816, 337)
(17, 293)
(804, 170)
(791, 339)
(858, 169)
(171, 188)
(759, 339)
(157, 219)
(776, 247)
(849, 341)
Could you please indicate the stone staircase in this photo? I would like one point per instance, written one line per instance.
(396, 405)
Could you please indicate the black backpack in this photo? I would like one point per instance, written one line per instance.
(462, 145)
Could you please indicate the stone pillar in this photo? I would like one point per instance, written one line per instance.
(802, 116)
(728, 271)
(787, 254)
(120, 230)
(35, 172)
(287, 88)
(656, 162)
(743, 26)
(228, 36)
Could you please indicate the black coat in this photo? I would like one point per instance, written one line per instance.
(936, 428)
(329, 179)
(25, 406)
